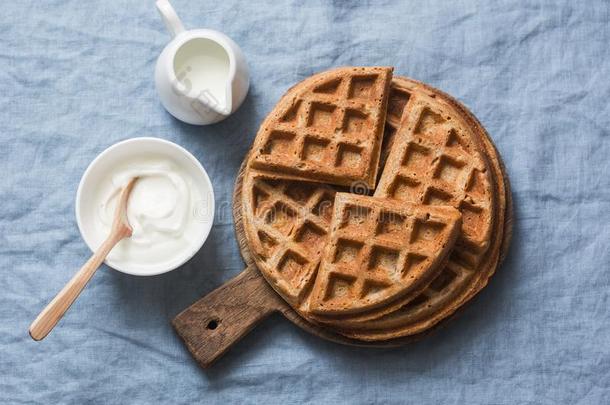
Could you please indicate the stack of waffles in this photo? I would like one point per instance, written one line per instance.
(373, 204)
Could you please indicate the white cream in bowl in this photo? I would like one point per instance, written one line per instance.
(170, 208)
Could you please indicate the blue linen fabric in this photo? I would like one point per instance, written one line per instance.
(77, 76)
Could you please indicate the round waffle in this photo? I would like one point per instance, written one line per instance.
(435, 153)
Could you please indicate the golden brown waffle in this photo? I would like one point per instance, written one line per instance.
(379, 250)
(439, 154)
(327, 128)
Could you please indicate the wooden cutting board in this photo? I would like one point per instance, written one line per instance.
(214, 323)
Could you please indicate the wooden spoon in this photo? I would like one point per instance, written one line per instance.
(56, 309)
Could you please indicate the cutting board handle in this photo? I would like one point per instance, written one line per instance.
(213, 324)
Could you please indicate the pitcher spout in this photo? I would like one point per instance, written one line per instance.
(207, 103)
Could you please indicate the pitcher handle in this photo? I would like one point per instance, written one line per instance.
(170, 18)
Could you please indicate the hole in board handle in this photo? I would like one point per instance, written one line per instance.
(213, 324)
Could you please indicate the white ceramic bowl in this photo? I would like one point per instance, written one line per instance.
(122, 152)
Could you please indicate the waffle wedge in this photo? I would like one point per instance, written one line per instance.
(286, 224)
(327, 128)
(379, 250)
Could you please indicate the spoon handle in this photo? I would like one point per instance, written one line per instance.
(56, 309)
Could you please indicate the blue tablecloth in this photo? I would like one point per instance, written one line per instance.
(77, 76)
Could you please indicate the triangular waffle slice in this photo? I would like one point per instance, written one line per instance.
(379, 250)
(327, 128)
(286, 225)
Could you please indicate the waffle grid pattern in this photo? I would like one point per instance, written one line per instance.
(378, 249)
(449, 172)
(292, 222)
(332, 132)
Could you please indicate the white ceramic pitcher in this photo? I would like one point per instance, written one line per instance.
(201, 75)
